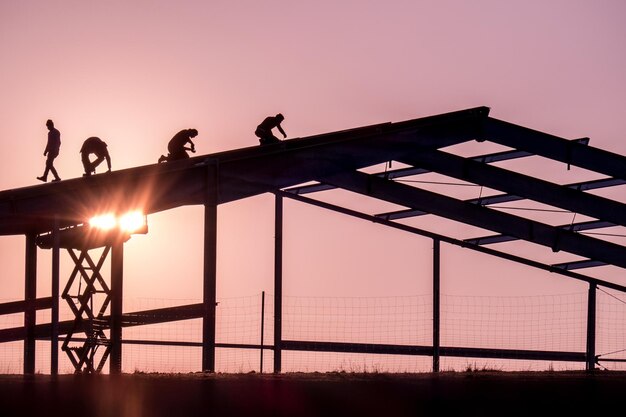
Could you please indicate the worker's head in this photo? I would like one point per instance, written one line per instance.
(193, 133)
(50, 123)
(280, 117)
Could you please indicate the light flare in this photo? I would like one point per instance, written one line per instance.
(132, 221)
(103, 221)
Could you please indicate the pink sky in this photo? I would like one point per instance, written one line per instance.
(134, 73)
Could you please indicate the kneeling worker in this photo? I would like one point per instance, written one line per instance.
(264, 130)
(96, 146)
(176, 146)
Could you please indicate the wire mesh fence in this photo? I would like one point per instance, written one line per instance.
(245, 333)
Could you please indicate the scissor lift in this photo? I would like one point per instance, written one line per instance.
(88, 295)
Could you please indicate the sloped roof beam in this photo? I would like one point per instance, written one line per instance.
(479, 216)
(505, 198)
(554, 147)
(450, 240)
(590, 225)
(242, 172)
(410, 171)
(520, 185)
(585, 263)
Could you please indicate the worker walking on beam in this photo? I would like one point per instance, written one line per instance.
(264, 130)
(51, 151)
(98, 147)
(176, 146)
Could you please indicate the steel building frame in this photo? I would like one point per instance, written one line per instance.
(324, 162)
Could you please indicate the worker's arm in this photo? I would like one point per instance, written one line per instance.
(281, 130)
(108, 158)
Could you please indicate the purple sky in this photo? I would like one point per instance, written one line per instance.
(134, 73)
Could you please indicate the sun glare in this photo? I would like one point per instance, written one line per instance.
(132, 221)
(104, 221)
(129, 222)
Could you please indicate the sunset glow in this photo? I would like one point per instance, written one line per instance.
(134, 73)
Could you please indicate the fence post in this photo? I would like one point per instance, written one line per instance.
(262, 326)
(436, 301)
(591, 327)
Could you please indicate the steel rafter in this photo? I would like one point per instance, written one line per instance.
(451, 208)
(505, 198)
(410, 171)
(554, 147)
(521, 185)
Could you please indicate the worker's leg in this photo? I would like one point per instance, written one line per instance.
(84, 156)
(95, 163)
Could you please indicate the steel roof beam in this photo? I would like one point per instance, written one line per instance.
(554, 147)
(410, 171)
(241, 173)
(451, 240)
(504, 198)
(574, 227)
(585, 263)
(519, 184)
(451, 208)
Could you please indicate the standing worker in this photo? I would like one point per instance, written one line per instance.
(264, 130)
(176, 146)
(96, 146)
(51, 151)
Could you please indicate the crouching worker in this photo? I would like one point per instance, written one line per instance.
(264, 130)
(176, 146)
(96, 146)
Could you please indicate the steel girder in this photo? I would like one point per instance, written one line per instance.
(451, 208)
(521, 185)
(553, 147)
(241, 173)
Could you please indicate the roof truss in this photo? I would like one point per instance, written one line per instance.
(334, 160)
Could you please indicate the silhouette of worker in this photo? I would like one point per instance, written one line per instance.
(51, 151)
(96, 146)
(264, 130)
(176, 146)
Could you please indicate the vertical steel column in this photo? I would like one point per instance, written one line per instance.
(117, 294)
(54, 336)
(210, 271)
(262, 327)
(436, 301)
(278, 283)
(591, 327)
(30, 294)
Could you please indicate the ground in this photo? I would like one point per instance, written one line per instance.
(478, 393)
